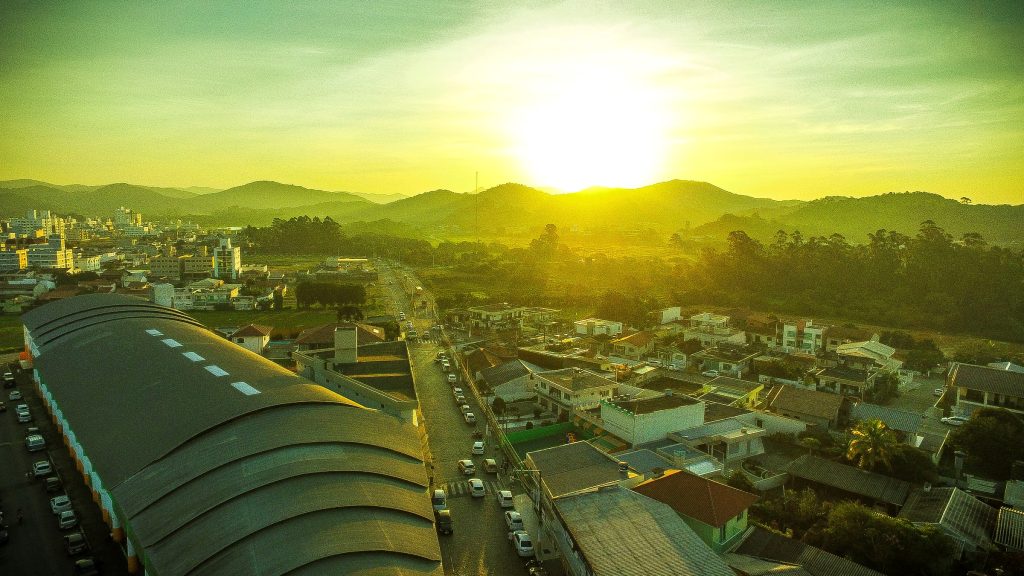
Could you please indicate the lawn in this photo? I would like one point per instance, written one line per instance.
(11, 335)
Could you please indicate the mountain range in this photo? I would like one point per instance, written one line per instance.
(688, 207)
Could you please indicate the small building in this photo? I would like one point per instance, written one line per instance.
(648, 420)
(727, 359)
(510, 381)
(762, 545)
(496, 316)
(802, 335)
(848, 482)
(666, 315)
(744, 393)
(713, 329)
(819, 408)
(729, 441)
(905, 424)
(1010, 529)
(967, 520)
(985, 387)
(597, 327)
(320, 337)
(717, 513)
(844, 381)
(868, 355)
(253, 337)
(635, 346)
(569, 389)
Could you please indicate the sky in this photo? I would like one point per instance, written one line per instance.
(788, 100)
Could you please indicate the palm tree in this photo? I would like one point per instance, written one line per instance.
(872, 443)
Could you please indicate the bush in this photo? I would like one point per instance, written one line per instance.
(529, 425)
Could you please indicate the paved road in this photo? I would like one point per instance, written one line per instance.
(479, 544)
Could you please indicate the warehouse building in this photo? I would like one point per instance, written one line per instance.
(208, 459)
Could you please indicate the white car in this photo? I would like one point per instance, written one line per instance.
(513, 520)
(467, 467)
(67, 519)
(460, 399)
(476, 488)
(710, 373)
(16, 394)
(458, 391)
(469, 417)
(439, 500)
(60, 503)
(478, 447)
(41, 468)
(954, 420)
(465, 409)
(505, 499)
(524, 546)
(452, 379)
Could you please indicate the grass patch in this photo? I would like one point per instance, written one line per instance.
(11, 333)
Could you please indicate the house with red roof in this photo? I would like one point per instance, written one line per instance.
(253, 337)
(715, 511)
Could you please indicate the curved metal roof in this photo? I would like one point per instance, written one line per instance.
(220, 461)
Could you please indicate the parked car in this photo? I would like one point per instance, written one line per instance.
(938, 391)
(439, 500)
(524, 546)
(35, 443)
(67, 519)
(710, 373)
(513, 520)
(505, 499)
(467, 467)
(460, 399)
(75, 543)
(86, 567)
(14, 395)
(458, 391)
(3, 407)
(954, 420)
(452, 378)
(42, 468)
(476, 488)
(8, 379)
(52, 484)
(490, 466)
(470, 418)
(60, 503)
(465, 409)
(443, 520)
(478, 447)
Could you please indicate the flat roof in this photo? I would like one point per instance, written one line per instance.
(219, 460)
(656, 404)
(572, 467)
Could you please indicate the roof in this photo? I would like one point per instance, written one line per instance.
(761, 543)
(252, 330)
(644, 461)
(711, 429)
(867, 349)
(750, 566)
(572, 467)
(656, 404)
(801, 401)
(1006, 366)
(985, 379)
(502, 373)
(896, 419)
(1010, 528)
(575, 379)
(844, 373)
(323, 336)
(383, 366)
(730, 383)
(621, 533)
(847, 478)
(727, 353)
(639, 339)
(241, 461)
(705, 500)
(957, 511)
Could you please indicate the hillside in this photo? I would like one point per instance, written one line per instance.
(262, 195)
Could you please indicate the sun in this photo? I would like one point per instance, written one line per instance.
(592, 128)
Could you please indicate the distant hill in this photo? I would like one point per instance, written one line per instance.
(380, 198)
(262, 195)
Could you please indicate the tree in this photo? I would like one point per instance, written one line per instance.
(498, 405)
(873, 443)
(349, 314)
(278, 300)
(811, 444)
(993, 439)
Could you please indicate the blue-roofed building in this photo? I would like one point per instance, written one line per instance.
(906, 424)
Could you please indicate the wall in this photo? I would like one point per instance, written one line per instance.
(315, 369)
(643, 428)
(773, 423)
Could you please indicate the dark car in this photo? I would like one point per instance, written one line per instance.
(86, 567)
(52, 484)
(443, 518)
(75, 543)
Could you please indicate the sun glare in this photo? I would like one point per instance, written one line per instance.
(592, 128)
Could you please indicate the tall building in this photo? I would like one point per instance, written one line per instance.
(227, 260)
(13, 260)
(52, 255)
(33, 220)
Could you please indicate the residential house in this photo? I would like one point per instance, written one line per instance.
(905, 424)
(968, 521)
(645, 462)
(1010, 529)
(839, 335)
(729, 440)
(647, 420)
(734, 391)
(762, 330)
(496, 316)
(759, 547)
(727, 359)
(844, 381)
(984, 387)
(713, 329)
(819, 408)
(485, 357)
(635, 346)
(614, 531)
(717, 513)
(569, 389)
(802, 335)
(848, 482)
(869, 355)
(320, 337)
(253, 337)
(510, 381)
(666, 315)
(597, 327)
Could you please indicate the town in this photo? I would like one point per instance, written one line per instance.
(471, 437)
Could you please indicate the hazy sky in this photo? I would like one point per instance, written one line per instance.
(779, 99)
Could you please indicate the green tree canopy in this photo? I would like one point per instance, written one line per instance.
(872, 444)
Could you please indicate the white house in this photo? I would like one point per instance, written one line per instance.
(571, 389)
(253, 337)
(648, 420)
(597, 327)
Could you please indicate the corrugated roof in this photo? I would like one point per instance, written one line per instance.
(854, 480)
(987, 379)
(761, 543)
(575, 379)
(809, 402)
(572, 467)
(961, 514)
(252, 330)
(1010, 528)
(621, 533)
(705, 500)
(254, 471)
(323, 336)
(896, 419)
(498, 375)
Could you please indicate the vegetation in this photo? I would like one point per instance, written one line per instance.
(329, 294)
(873, 444)
(993, 440)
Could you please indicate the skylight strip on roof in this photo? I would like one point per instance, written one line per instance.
(216, 370)
(171, 342)
(193, 356)
(244, 388)
(154, 332)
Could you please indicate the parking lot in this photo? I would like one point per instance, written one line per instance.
(35, 543)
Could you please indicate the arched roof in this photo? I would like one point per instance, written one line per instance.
(220, 461)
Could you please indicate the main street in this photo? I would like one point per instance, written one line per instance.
(479, 544)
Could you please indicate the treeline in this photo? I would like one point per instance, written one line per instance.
(313, 236)
(329, 295)
(926, 281)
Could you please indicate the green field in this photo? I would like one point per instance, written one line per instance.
(11, 338)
